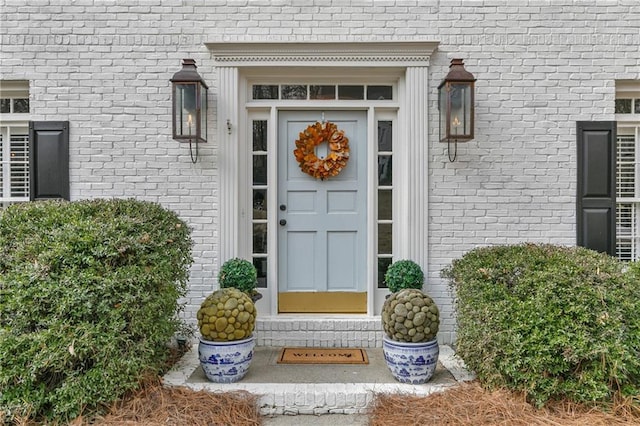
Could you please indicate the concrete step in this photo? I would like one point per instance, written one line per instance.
(316, 389)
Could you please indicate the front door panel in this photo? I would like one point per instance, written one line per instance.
(322, 223)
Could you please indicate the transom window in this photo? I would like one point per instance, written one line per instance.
(628, 106)
(14, 105)
(321, 92)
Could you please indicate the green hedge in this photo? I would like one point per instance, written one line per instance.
(89, 296)
(553, 322)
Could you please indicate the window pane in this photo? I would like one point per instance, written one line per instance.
(383, 265)
(385, 136)
(351, 92)
(623, 106)
(261, 267)
(378, 93)
(294, 92)
(385, 170)
(385, 245)
(259, 135)
(259, 169)
(5, 106)
(263, 91)
(385, 204)
(20, 106)
(322, 92)
(259, 237)
(637, 106)
(259, 203)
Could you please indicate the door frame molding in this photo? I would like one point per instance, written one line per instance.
(236, 61)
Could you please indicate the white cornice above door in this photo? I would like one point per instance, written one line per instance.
(365, 54)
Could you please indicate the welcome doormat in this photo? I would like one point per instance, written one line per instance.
(323, 356)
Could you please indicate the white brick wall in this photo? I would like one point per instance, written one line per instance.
(105, 65)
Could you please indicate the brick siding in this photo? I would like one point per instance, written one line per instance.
(105, 66)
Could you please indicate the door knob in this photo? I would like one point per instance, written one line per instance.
(283, 207)
(283, 222)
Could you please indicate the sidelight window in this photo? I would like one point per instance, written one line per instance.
(385, 199)
(260, 191)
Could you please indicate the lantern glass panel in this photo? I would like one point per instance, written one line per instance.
(203, 114)
(443, 97)
(460, 118)
(185, 109)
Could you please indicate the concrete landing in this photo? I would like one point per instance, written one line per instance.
(316, 389)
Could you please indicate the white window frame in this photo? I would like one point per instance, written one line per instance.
(12, 124)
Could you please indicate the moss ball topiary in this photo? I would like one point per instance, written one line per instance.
(410, 316)
(404, 274)
(228, 314)
(238, 273)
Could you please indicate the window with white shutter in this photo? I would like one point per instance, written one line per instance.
(628, 193)
(627, 109)
(14, 142)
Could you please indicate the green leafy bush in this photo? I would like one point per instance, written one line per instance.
(553, 322)
(404, 274)
(88, 302)
(238, 273)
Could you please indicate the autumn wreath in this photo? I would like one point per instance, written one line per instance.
(335, 160)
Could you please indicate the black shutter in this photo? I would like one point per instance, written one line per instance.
(596, 203)
(49, 159)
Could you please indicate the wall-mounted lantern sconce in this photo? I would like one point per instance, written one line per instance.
(456, 105)
(189, 93)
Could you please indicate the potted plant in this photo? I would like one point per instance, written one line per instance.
(411, 320)
(226, 320)
(240, 274)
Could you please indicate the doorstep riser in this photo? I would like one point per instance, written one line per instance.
(293, 399)
(303, 332)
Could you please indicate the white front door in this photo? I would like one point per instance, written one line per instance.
(322, 256)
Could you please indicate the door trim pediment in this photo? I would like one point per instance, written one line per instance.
(366, 53)
(405, 63)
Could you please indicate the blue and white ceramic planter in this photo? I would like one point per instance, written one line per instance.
(412, 363)
(226, 362)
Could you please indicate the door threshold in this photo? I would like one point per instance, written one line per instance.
(342, 302)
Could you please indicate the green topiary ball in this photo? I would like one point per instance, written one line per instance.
(227, 314)
(404, 274)
(410, 316)
(238, 273)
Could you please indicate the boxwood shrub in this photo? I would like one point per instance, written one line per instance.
(89, 295)
(552, 322)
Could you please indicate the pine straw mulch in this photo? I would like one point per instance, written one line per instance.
(155, 405)
(464, 405)
(470, 404)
